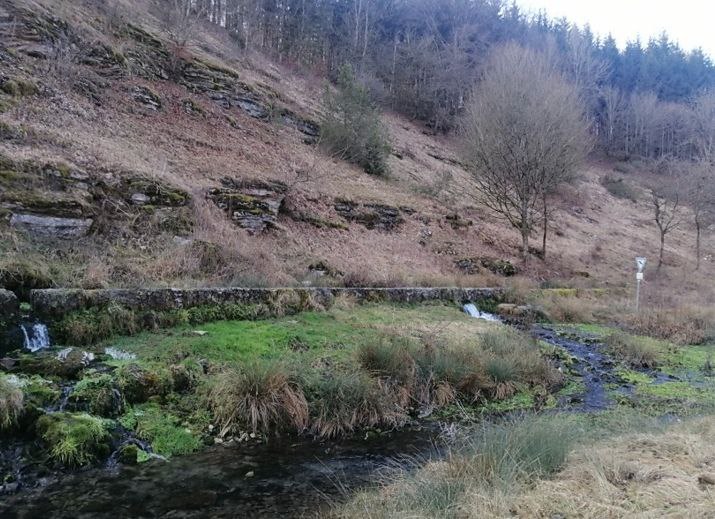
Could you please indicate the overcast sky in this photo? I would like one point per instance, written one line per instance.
(690, 22)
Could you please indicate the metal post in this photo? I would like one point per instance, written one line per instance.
(640, 265)
(638, 294)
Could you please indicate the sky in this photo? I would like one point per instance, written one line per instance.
(689, 22)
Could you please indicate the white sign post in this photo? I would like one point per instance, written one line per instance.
(640, 265)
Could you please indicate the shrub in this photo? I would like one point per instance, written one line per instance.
(74, 439)
(632, 351)
(12, 402)
(619, 188)
(261, 396)
(352, 128)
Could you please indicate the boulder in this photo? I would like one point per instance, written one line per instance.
(50, 226)
(139, 199)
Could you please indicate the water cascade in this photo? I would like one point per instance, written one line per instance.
(472, 310)
(36, 337)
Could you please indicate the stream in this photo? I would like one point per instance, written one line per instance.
(280, 478)
(284, 477)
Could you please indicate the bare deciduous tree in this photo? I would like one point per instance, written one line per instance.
(523, 134)
(180, 20)
(699, 181)
(665, 198)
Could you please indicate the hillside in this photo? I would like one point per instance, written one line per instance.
(120, 161)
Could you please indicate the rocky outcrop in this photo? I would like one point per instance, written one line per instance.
(147, 98)
(55, 303)
(9, 305)
(51, 227)
(373, 216)
(251, 204)
(55, 200)
(309, 128)
(496, 266)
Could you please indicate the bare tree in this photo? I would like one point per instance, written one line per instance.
(523, 134)
(699, 181)
(666, 200)
(181, 19)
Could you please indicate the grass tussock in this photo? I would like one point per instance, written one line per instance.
(539, 467)
(12, 402)
(74, 440)
(634, 352)
(341, 403)
(436, 373)
(490, 461)
(261, 397)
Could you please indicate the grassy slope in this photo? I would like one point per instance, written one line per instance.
(594, 231)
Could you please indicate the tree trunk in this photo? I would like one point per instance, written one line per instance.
(697, 245)
(524, 244)
(546, 230)
(660, 255)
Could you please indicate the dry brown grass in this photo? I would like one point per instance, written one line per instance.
(683, 324)
(642, 475)
(595, 234)
(665, 474)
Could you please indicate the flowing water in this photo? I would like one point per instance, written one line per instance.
(472, 310)
(36, 337)
(280, 478)
(288, 477)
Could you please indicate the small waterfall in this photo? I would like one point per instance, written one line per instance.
(37, 337)
(472, 310)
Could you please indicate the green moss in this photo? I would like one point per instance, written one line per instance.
(100, 394)
(675, 391)
(19, 87)
(522, 400)
(140, 382)
(572, 388)
(41, 392)
(633, 377)
(6, 104)
(74, 439)
(162, 429)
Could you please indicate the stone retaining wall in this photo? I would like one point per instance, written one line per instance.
(9, 305)
(54, 303)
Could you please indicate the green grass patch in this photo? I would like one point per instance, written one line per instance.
(317, 332)
(633, 377)
(164, 431)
